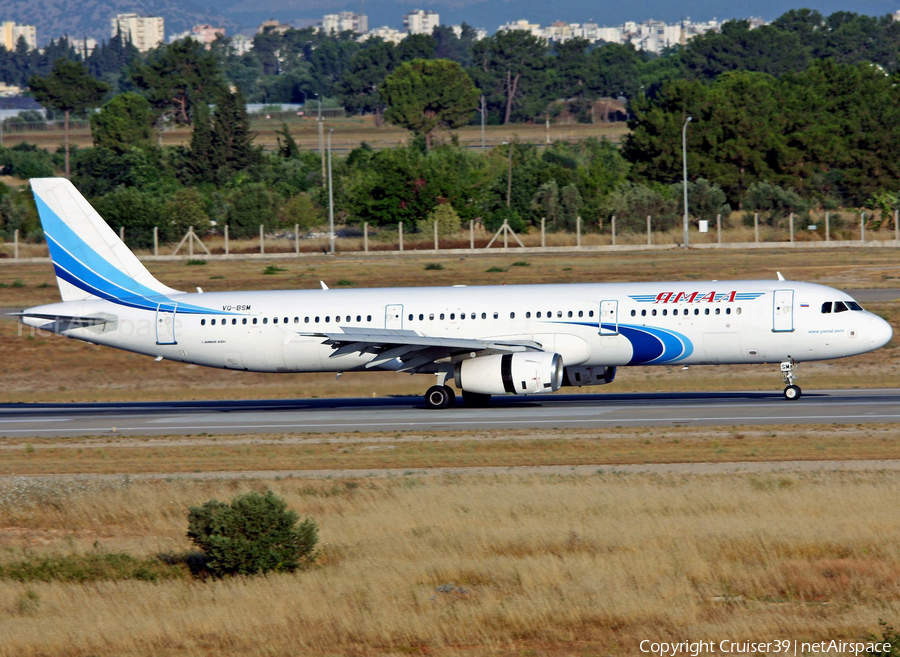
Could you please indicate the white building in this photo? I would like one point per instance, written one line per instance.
(386, 33)
(346, 21)
(84, 46)
(144, 32)
(480, 32)
(12, 32)
(522, 26)
(421, 22)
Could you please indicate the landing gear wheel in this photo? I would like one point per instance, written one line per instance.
(792, 393)
(438, 397)
(451, 394)
(476, 399)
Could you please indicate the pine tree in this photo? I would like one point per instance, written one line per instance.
(231, 139)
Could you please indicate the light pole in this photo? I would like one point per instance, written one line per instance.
(330, 198)
(684, 159)
(321, 137)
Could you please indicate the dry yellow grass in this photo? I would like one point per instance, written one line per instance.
(357, 451)
(538, 565)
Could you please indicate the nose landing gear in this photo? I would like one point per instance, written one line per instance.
(791, 392)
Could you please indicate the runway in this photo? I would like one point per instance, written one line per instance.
(409, 414)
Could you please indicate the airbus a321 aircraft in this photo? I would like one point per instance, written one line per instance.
(490, 340)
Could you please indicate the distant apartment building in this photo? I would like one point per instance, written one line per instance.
(421, 22)
(204, 34)
(241, 44)
(12, 32)
(651, 36)
(480, 32)
(385, 33)
(144, 32)
(84, 46)
(272, 26)
(345, 21)
(522, 26)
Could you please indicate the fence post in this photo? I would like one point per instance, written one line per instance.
(400, 229)
(649, 231)
(827, 226)
(578, 231)
(262, 240)
(505, 234)
(226, 239)
(156, 240)
(613, 224)
(471, 235)
(792, 226)
(366, 237)
(896, 226)
(543, 232)
(297, 239)
(16, 244)
(122, 233)
(756, 226)
(718, 228)
(435, 235)
(862, 226)
(191, 241)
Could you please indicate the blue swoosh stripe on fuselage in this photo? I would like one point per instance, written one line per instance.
(649, 345)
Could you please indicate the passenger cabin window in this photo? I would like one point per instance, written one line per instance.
(581, 313)
(528, 315)
(202, 322)
(512, 315)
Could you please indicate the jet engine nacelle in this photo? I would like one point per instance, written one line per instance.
(521, 373)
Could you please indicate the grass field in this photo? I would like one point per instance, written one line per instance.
(509, 563)
(351, 132)
(490, 565)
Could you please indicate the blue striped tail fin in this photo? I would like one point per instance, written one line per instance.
(89, 258)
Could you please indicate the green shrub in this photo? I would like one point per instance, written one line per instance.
(252, 535)
(434, 266)
(89, 567)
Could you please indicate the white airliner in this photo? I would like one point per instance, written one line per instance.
(491, 340)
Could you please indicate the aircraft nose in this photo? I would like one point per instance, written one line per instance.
(880, 332)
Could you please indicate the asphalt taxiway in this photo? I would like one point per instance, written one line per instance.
(409, 414)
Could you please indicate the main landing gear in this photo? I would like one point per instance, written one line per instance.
(791, 392)
(440, 397)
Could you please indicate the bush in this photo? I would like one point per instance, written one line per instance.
(254, 534)
(772, 202)
(447, 219)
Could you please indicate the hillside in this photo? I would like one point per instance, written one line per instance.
(91, 18)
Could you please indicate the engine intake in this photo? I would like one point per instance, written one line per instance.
(521, 373)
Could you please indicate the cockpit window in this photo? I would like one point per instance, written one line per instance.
(826, 307)
(854, 306)
(840, 307)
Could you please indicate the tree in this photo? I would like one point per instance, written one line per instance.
(124, 121)
(509, 67)
(177, 76)
(423, 95)
(232, 140)
(69, 88)
(254, 534)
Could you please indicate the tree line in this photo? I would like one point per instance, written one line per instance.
(785, 117)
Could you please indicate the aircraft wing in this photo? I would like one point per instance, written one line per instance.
(415, 351)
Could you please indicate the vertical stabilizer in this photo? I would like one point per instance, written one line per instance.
(90, 259)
